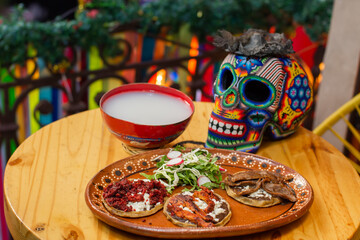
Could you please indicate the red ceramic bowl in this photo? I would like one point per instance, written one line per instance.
(141, 135)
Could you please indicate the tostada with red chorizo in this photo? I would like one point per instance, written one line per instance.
(134, 197)
(201, 208)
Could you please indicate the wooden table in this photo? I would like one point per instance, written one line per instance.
(46, 177)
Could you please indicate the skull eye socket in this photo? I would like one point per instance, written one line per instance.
(257, 92)
(225, 79)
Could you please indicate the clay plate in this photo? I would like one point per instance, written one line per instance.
(245, 219)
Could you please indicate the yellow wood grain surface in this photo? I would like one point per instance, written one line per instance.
(46, 177)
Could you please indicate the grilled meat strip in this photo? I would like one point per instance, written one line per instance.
(279, 189)
(254, 185)
(175, 209)
(271, 182)
(206, 197)
(187, 201)
(253, 175)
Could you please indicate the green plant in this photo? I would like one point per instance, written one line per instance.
(93, 25)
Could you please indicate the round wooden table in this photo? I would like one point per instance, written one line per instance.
(46, 177)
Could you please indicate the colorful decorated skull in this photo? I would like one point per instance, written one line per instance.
(259, 91)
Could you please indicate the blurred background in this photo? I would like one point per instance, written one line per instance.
(59, 57)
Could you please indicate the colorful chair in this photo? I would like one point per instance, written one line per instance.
(340, 114)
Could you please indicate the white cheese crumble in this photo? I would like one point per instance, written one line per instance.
(202, 205)
(187, 193)
(261, 193)
(243, 188)
(187, 209)
(217, 209)
(141, 206)
(145, 180)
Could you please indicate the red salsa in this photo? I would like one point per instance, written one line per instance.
(119, 194)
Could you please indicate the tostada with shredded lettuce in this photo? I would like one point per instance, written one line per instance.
(195, 168)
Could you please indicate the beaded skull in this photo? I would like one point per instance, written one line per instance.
(259, 91)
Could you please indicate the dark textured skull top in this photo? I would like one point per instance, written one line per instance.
(258, 91)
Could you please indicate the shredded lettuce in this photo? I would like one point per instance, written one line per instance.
(196, 163)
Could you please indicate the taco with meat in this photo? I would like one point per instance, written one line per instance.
(259, 188)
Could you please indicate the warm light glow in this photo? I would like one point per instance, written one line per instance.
(194, 44)
(272, 29)
(320, 77)
(194, 51)
(160, 77)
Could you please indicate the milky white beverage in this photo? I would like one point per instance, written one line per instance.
(147, 108)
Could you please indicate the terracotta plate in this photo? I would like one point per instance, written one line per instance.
(245, 219)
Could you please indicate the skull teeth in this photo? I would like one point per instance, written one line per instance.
(226, 143)
(228, 129)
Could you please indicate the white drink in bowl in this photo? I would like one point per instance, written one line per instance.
(147, 108)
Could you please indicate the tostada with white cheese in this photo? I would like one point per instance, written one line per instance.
(259, 188)
(202, 208)
(134, 197)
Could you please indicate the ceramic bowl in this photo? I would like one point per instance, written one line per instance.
(145, 136)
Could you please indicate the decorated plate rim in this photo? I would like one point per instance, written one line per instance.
(299, 184)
